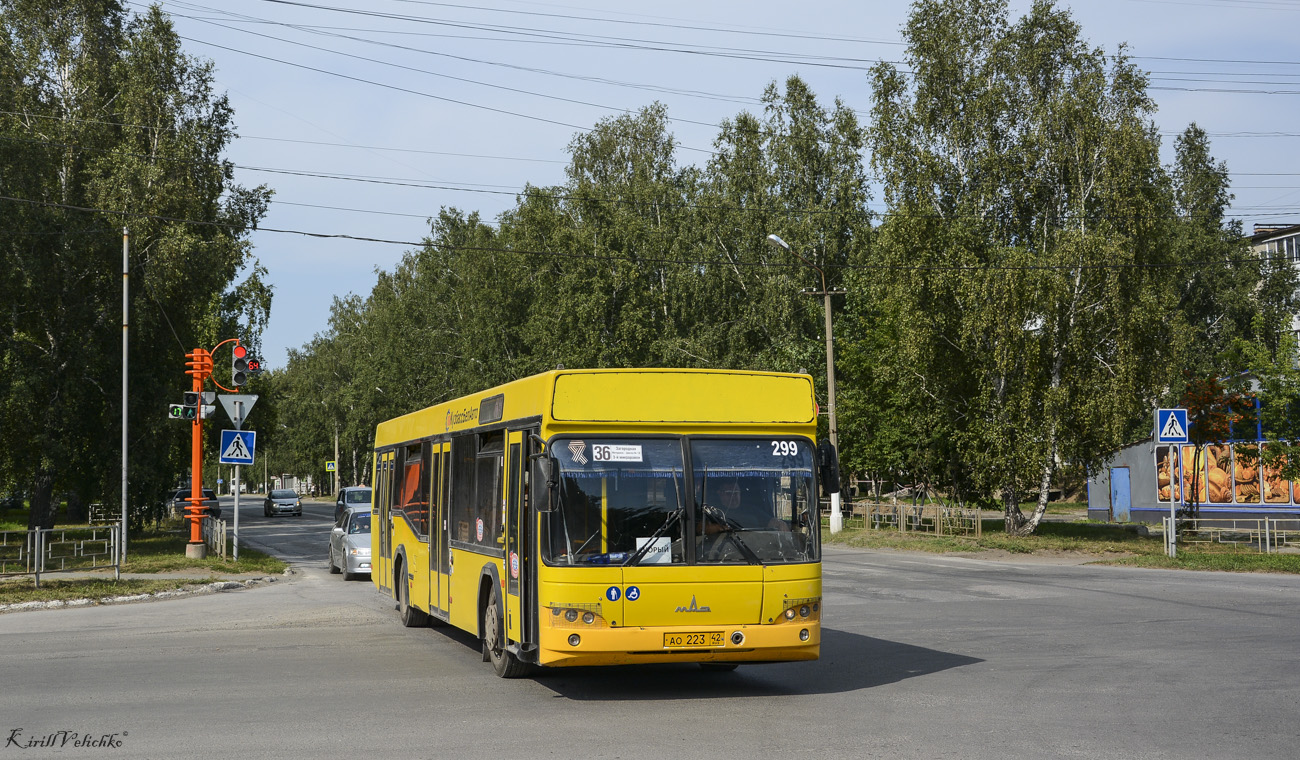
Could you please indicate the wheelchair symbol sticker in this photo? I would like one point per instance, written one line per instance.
(633, 593)
(612, 593)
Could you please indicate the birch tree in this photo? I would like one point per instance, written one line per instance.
(1023, 242)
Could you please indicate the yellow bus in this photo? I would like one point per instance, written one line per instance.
(601, 517)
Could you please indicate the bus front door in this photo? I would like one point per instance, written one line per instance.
(520, 625)
(382, 523)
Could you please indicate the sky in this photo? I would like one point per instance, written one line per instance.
(368, 116)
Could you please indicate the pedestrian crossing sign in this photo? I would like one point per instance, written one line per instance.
(1171, 426)
(237, 446)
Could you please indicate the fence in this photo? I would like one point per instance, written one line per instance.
(215, 536)
(1267, 533)
(932, 518)
(60, 550)
(101, 514)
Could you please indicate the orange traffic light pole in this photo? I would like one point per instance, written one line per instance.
(200, 368)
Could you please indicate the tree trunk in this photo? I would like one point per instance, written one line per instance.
(1013, 519)
(42, 507)
(76, 509)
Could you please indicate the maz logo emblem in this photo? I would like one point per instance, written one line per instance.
(693, 608)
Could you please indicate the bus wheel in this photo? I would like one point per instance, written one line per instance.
(503, 662)
(411, 617)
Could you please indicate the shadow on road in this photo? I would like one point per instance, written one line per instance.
(849, 662)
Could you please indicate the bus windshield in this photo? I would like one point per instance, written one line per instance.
(754, 500)
(615, 496)
(623, 501)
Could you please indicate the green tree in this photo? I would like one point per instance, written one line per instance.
(1225, 285)
(1026, 203)
(105, 123)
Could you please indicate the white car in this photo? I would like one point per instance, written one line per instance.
(350, 543)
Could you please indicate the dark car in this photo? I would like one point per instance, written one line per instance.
(282, 501)
(180, 499)
(350, 497)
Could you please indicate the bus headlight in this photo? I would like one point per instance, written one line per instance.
(804, 610)
(573, 615)
(574, 639)
(803, 635)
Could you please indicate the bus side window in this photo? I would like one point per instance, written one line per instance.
(489, 500)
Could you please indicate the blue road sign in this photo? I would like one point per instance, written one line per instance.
(613, 593)
(1171, 426)
(237, 446)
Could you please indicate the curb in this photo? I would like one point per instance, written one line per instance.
(196, 590)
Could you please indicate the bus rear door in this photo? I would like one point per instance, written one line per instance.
(439, 550)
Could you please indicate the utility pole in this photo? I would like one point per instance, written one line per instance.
(126, 303)
(837, 518)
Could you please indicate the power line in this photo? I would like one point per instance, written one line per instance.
(124, 125)
(647, 260)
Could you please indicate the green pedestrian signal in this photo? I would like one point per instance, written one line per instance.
(183, 412)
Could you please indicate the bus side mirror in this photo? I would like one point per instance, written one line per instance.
(545, 470)
(828, 467)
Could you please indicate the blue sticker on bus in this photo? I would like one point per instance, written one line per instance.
(633, 593)
(612, 593)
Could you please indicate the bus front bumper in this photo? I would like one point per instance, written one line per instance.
(780, 642)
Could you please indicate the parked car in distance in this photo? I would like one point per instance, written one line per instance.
(352, 496)
(350, 543)
(282, 501)
(180, 499)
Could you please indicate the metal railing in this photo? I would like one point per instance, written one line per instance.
(1267, 533)
(932, 518)
(216, 536)
(60, 550)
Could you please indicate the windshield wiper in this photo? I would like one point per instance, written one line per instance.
(673, 517)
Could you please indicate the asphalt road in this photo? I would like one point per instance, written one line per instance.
(923, 657)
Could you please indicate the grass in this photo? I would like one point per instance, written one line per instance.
(164, 551)
(154, 551)
(18, 590)
(1095, 542)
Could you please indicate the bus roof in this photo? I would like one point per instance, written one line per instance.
(588, 399)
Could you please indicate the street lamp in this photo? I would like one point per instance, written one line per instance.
(837, 521)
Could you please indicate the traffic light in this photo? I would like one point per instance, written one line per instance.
(182, 412)
(239, 367)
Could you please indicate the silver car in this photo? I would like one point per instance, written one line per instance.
(349, 497)
(350, 543)
(282, 501)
